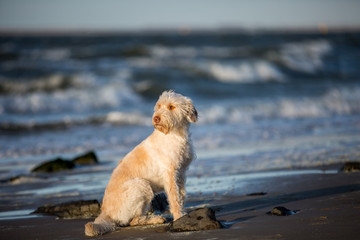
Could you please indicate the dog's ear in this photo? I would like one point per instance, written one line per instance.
(192, 113)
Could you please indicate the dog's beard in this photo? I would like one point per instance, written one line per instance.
(162, 128)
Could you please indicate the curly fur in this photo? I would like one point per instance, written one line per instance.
(156, 164)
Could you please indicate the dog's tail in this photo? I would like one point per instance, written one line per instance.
(102, 224)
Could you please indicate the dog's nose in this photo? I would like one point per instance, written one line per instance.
(156, 119)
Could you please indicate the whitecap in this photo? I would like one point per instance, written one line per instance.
(305, 56)
(246, 72)
(134, 118)
(334, 102)
(159, 51)
(51, 83)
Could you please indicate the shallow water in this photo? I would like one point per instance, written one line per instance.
(17, 214)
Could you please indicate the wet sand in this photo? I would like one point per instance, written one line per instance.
(328, 207)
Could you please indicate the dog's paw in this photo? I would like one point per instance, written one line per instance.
(89, 230)
(157, 219)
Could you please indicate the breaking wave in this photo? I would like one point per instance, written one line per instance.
(246, 72)
(105, 97)
(52, 83)
(336, 101)
(245, 64)
(110, 80)
(59, 122)
(305, 56)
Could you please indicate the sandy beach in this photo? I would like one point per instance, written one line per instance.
(327, 206)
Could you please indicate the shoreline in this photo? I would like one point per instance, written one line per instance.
(327, 205)
(44, 188)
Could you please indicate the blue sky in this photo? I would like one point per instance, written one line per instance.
(155, 14)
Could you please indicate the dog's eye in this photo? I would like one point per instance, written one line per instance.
(171, 107)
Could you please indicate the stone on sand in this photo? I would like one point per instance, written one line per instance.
(281, 211)
(351, 167)
(72, 210)
(197, 220)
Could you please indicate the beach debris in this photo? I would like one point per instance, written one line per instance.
(197, 220)
(256, 194)
(71, 210)
(281, 211)
(351, 167)
(60, 164)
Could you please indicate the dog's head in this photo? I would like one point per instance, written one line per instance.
(173, 111)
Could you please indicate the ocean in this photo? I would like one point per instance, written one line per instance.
(267, 101)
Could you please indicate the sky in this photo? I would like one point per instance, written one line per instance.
(168, 14)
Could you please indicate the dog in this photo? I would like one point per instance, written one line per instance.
(156, 164)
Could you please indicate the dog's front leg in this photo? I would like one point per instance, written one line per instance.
(172, 189)
(181, 184)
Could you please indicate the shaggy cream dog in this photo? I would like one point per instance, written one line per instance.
(156, 164)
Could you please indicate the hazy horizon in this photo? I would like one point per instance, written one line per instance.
(115, 16)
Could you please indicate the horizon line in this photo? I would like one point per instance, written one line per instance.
(183, 30)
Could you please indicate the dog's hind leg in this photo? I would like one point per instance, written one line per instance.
(136, 198)
(128, 206)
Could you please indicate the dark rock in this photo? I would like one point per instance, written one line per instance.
(72, 210)
(54, 166)
(60, 164)
(159, 203)
(86, 159)
(351, 167)
(199, 219)
(281, 211)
